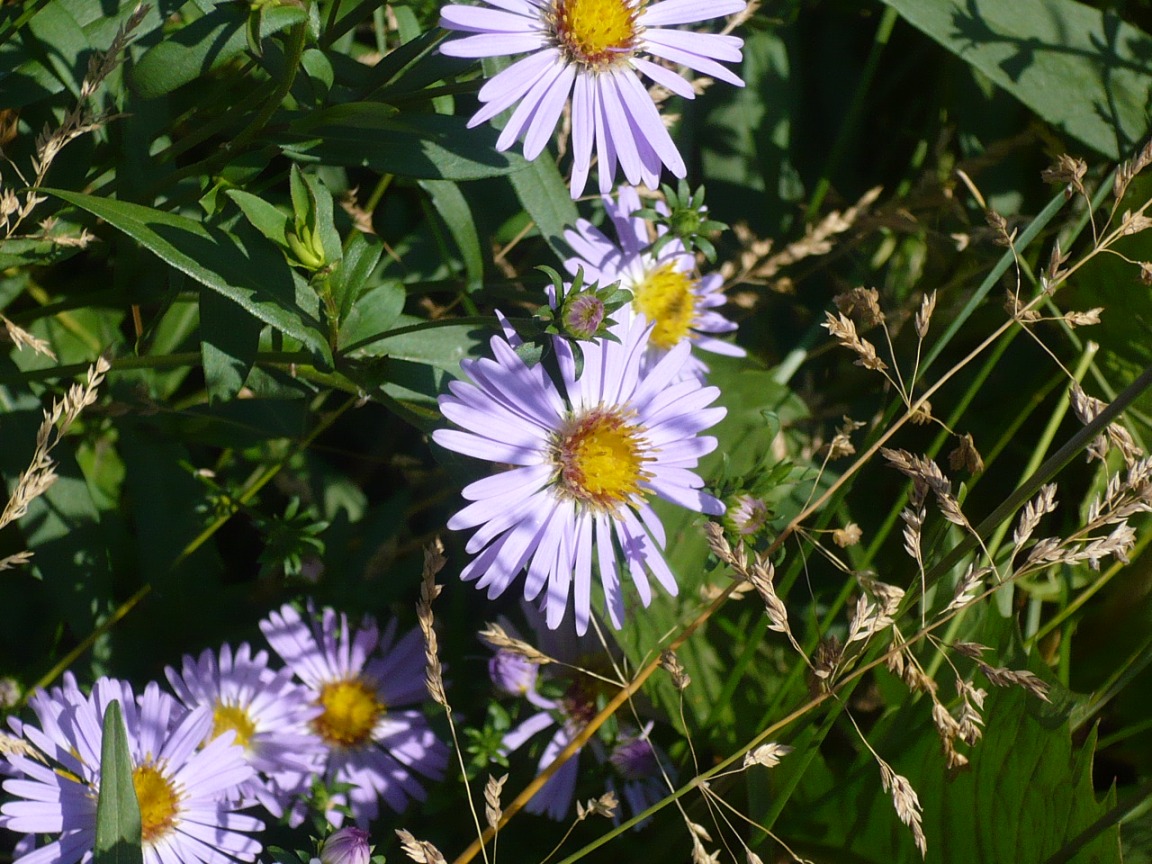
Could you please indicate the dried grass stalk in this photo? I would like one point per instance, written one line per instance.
(429, 591)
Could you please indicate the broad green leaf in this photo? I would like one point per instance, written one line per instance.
(1083, 71)
(542, 191)
(266, 218)
(118, 823)
(204, 45)
(374, 135)
(453, 207)
(373, 313)
(1026, 794)
(255, 275)
(229, 341)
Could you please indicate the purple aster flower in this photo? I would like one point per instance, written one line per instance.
(269, 713)
(183, 788)
(346, 846)
(642, 767)
(665, 289)
(587, 460)
(360, 679)
(592, 51)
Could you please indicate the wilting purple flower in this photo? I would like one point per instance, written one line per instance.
(269, 713)
(587, 460)
(642, 767)
(360, 680)
(592, 51)
(346, 846)
(183, 789)
(664, 286)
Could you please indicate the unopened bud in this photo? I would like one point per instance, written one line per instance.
(346, 846)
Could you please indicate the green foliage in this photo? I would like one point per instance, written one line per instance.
(1082, 70)
(274, 221)
(117, 811)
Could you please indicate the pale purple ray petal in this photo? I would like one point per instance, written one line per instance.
(714, 46)
(544, 560)
(583, 130)
(515, 738)
(485, 448)
(605, 148)
(560, 578)
(640, 108)
(529, 108)
(510, 85)
(551, 106)
(651, 556)
(609, 577)
(659, 46)
(671, 12)
(477, 19)
(653, 524)
(629, 535)
(719, 346)
(582, 578)
(493, 45)
(665, 77)
(619, 130)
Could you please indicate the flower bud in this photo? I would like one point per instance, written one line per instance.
(582, 315)
(346, 846)
(746, 515)
(512, 673)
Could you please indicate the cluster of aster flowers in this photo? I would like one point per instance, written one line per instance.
(233, 733)
(590, 441)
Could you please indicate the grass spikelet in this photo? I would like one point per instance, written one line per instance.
(497, 637)
(768, 755)
(420, 851)
(492, 811)
(433, 672)
(907, 804)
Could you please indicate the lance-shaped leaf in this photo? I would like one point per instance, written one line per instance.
(118, 827)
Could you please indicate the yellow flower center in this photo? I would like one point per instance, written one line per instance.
(233, 717)
(351, 710)
(159, 802)
(666, 297)
(599, 458)
(594, 32)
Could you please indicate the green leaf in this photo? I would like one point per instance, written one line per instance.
(117, 810)
(229, 342)
(373, 313)
(453, 207)
(255, 276)
(372, 135)
(266, 218)
(1081, 70)
(350, 279)
(205, 45)
(542, 191)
